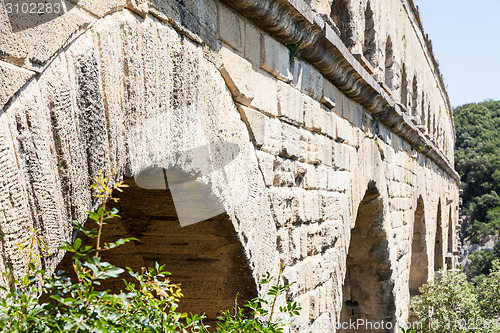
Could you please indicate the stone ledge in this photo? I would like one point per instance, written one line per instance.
(292, 21)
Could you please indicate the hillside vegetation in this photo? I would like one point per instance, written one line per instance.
(477, 156)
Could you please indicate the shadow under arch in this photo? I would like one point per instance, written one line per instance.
(438, 245)
(368, 291)
(449, 256)
(369, 43)
(207, 259)
(419, 268)
(341, 14)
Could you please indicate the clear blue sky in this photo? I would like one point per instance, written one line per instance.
(466, 40)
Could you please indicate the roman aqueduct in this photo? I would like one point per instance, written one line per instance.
(342, 167)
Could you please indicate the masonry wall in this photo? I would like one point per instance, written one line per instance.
(138, 83)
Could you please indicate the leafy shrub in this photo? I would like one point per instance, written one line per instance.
(453, 304)
(445, 303)
(488, 291)
(148, 305)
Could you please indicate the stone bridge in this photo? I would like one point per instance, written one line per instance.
(343, 168)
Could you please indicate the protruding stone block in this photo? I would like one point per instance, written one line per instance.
(248, 87)
(329, 94)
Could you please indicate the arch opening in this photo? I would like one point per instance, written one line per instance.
(369, 44)
(450, 241)
(429, 120)
(404, 87)
(207, 259)
(419, 260)
(389, 63)
(414, 98)
(423, 116)
(438, 247)
(368, 288)
(342, 17)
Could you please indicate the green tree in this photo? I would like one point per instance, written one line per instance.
(445, 305)
(477, 160)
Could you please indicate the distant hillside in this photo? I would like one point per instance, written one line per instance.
(477, 156)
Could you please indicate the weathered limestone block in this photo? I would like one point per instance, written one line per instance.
(313, 115)
(328, 127)
(290, 104)
(308, 79)
(332, 206)
(249, 87)
(309, 146)
(273, 141)
(322, 176)
(283, 172)
(252, 43)
(284, 244)
(15, 217)
(311, 206)
(274, 58)
(326, 150)
(256, 122)
(281, 204)
(31, 48)
(230, 27)
(101, 8)
(311, 181)
(291, 142)
(344, 131)
(12, 78)
(36, 156)
(193, 18)
(340, 156)
(266, 166)
(111, 40)
(55, 87)
(330, 94)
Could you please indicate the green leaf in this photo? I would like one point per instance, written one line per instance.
(77, 243)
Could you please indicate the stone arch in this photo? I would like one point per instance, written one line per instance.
(368, 288)
(92, 111)
(341, 15)
(438, 245)
(389, 63)
(369, 42)
(404, 87)
(419, 261)
(207, 259)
